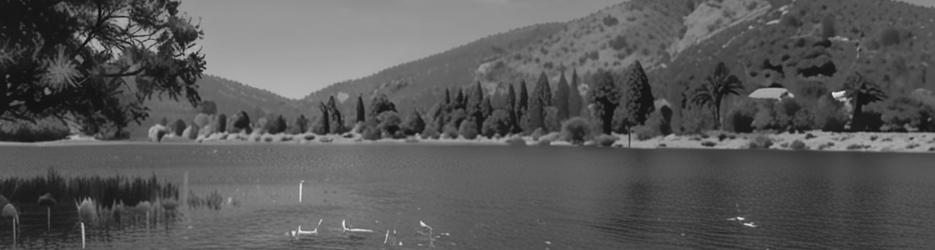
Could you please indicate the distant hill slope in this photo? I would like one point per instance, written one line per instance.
(652, 31)
(230, 96)
(764, 42)
(419, 83)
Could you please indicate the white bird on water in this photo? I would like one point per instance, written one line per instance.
(298, 232)
(353, 230)
(431, 240)
(749, 224)
(738, 218)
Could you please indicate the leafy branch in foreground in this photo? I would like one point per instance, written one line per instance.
(95, 62)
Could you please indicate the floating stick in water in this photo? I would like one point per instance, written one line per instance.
(300, 190)
(353, 230)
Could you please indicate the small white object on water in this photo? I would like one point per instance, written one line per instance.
(750, 224)
(353, 230)
(300, 190)
(299, 232)
(738, 218)
(548, 242)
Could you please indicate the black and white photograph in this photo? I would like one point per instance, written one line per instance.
(467, 124)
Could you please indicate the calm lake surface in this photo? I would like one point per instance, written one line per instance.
(494, 197)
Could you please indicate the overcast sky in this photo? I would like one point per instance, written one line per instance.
(294, 47)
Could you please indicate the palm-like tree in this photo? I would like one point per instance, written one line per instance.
(715, 88)
(861, 92)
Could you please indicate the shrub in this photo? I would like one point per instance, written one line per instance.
(43, 130)
(468, 129)
(371, 131)
(829, 114)
(605, 140)
(242, 122)
(497, 124)
(220, 123)
(389, 124)
(191, 132)
(450, 131)
(659, 123)
(430, 131)
(551, 120)
(798, 145)
(740, 119)
(414, 124)
(516, 141)
(537, 133)
(644, 132)
(695, 121)
(760, 142)
(544, 142)
(857, 147)
(889, 37)
(708, 144)
(576, 130)
(178, 127)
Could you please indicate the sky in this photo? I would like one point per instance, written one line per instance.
(294, 47)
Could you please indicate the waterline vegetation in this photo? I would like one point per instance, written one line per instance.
(99, 202)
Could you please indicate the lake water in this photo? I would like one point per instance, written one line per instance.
(493, 197)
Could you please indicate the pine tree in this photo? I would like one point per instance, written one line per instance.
(574, 97)
(605, 95)
(361, 115)
(561, 98)
(637, 99)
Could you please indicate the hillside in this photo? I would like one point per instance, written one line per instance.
(230, 97)
(419, 83)
(806, 46)
(653, 32)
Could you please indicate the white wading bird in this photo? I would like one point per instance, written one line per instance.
(298, 232)
(749, 224)
(431, 240)
(353, 230)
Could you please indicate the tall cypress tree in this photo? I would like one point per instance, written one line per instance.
(535, 117)
(511, 108)
(574, 97)
(323, 120)
(361, 115)
(561, 98)
(523, 105)
(337, 120)
(447, 97)
(544, 90)
(459, 100)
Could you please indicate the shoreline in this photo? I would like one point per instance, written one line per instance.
(914, 142)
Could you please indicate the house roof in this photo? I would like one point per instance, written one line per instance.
(771, 93)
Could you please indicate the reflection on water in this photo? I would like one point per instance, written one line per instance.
(477, 197)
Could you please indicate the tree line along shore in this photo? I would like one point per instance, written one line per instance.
(607, 109)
